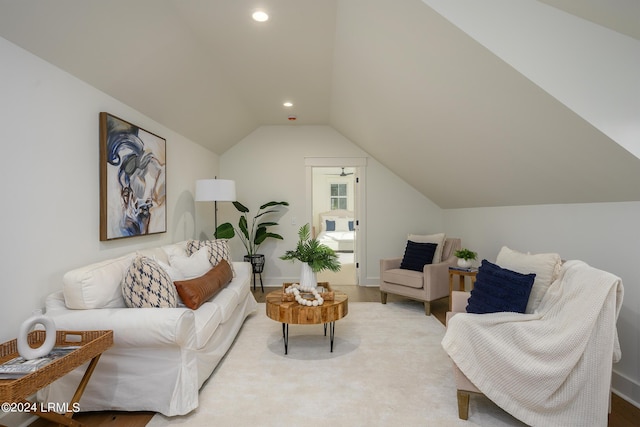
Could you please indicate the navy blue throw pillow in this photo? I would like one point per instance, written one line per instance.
(497, 289)
(416, 255)
(331, 225)
(351, 227)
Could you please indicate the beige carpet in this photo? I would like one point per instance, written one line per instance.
(387, 369)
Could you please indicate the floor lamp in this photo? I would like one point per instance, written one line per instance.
(215, 190)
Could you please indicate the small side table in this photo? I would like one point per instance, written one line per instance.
(461, 273)
(91, 346)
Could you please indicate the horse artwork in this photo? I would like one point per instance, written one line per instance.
(132, 180)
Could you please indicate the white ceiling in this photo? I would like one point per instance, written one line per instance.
(393, 76)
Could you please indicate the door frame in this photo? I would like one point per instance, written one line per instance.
(360, 165)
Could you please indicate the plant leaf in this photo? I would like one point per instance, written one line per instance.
(260, 235)
(266, 205)
(267, 224)
(240, 207)
(242, 224)
(225, 231)
(264, 213)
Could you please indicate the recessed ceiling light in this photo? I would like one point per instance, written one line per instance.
(260, 16)
(288, 104)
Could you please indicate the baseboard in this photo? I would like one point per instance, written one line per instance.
(626, 388)
(370, 281)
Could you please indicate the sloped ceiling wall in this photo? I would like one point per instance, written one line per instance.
(422, 97)
(458, 123)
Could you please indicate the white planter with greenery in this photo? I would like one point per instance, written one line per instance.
(308, 277)
(464, 263)
(465, 256)
(314, 256)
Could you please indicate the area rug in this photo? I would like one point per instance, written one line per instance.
(387, 369)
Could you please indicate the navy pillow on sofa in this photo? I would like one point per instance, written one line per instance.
(497, 289)
(331, 225)
(416, 255)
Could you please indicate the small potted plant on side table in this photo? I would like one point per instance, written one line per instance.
(464, 257)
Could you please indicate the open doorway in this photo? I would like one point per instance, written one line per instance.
(333, 195)
(329, 177)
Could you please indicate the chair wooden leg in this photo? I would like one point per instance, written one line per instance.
(463, 405)
(427, 308)
(383, 297)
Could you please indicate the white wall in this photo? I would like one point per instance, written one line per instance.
(50, 182)
(269, 165)
(604, 235)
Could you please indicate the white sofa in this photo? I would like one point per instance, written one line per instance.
(161, 356)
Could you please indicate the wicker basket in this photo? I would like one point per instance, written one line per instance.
(92, 344)
(328, 295)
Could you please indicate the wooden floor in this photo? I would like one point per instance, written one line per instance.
(623, 414)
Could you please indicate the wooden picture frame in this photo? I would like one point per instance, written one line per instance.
(132, 180)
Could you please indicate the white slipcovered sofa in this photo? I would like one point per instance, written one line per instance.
(161, 356)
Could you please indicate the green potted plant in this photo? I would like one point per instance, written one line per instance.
(314, 256)
(465, 256)
(254, 235)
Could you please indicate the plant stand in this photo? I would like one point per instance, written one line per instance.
(257, 265)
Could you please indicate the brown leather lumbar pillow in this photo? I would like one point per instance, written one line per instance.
(195, 292)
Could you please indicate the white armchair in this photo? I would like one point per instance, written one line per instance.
(428, 285)
(548, 367)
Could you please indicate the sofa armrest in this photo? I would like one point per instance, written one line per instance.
(436, 278)
(459, 301)
(458, 304)
(389, 264)
(132, 327)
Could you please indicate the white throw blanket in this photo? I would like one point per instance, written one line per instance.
(552, 367)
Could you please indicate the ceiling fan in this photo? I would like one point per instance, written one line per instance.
(343, 173)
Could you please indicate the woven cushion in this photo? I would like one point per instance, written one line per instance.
(416, 255)
(196, 291)
(146, 284)
(545, 266)
(497, 289)
(218, 250)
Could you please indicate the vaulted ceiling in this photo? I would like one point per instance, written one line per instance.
(416, 92)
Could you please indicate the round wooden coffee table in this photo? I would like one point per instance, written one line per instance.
(292, 313)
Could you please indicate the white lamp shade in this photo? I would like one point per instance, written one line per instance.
(215, 190)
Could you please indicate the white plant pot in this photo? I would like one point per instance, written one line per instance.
(308, 276)
(464, 263)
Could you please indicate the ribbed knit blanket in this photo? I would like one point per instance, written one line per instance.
(552, 367)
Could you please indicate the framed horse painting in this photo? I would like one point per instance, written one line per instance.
(132, 180)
